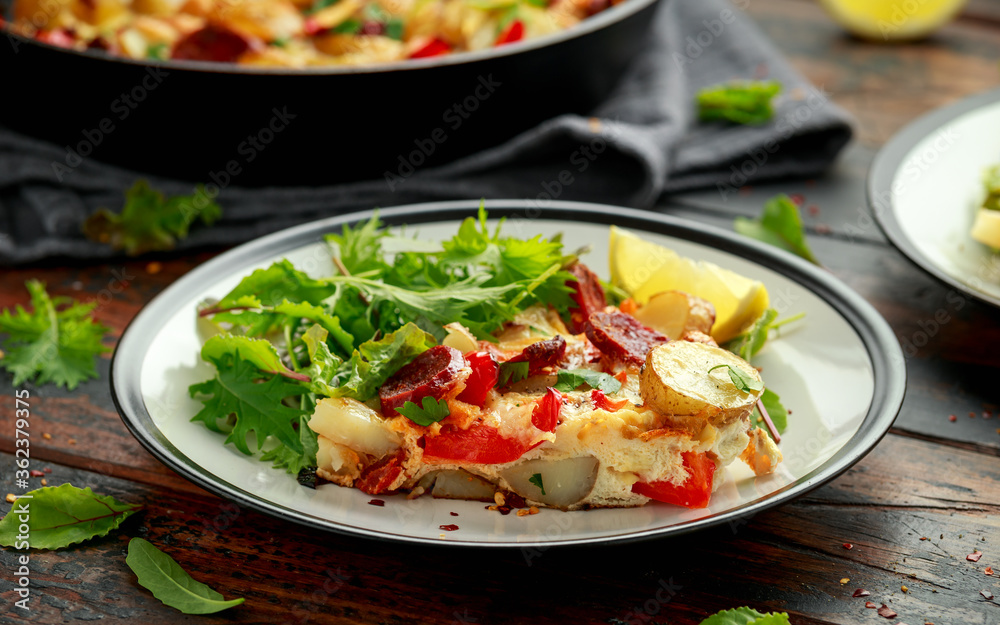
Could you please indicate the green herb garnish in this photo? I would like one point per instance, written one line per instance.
(431, 411)
(780, 225)
(571, 379)
(161, 575)
(349, 26)
(56, 342)
(746, 616)
(536, 479)
(150, 221)
(157, 51)
(740, 102)
(511, 372)
(740, 380)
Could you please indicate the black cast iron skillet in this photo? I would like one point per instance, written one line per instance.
(320, 126)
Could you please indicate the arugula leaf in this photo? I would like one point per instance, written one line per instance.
(375, 361)
(394, 28)
(150, 221)
(259, 319)
(775, 409)
(511, 372)
(261, 353)
(56, 342)
(259, 407)
(59, 516)
(269, 287)
(536, 479)
(431, 411)
(780, 225)
(746, 616)
(571, 379)
(282, 457)
(161, 575)
(991, 182)
(159, 51)
(747, 345)
(740, 380)
(740, 102)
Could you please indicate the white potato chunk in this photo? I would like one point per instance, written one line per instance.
(565, 481)
(458, 484)
(678, 379)
(460, 338)
(350, 423)
(675, 313)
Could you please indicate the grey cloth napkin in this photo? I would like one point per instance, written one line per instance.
(644, 141)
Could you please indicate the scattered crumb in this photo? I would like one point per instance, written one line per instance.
(35, 473)
(887, 612)
(11, 497)
(974, 556)
(844, 580)
(904, 589)
(453, 513)
(46, 436)
(952, 418)
(595, 124)
(72, 441)
(523, 512)
(869, 604)
(533, 510)
(986, 594)
(848, 546)
(154, 268)
(988, 570)
(44, 482)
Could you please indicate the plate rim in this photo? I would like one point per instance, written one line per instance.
(882, 173)
(884, 353)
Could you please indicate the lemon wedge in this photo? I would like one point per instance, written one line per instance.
(892, 20)
(644, 269)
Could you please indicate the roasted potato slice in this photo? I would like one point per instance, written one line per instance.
(675, 313)
(676, 380)
(350, 423)
(566, 481)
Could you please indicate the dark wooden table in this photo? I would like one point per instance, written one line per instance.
(927, 496)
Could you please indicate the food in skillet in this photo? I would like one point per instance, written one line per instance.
(294, 33)
(486, 367)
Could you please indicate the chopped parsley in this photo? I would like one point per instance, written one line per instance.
(432, 411)
(746, 102)
(740, 380)
(536, 479)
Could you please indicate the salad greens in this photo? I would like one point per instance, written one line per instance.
(746, 616)
(56, 342)
(289, 339)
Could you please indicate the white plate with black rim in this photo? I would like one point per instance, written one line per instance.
(841, 373)
(926, 184)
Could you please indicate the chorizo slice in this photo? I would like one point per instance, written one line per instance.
(542, 354)
(621, 337)
(432, 373)
(588, 295)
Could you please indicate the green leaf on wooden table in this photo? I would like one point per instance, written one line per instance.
(161, 575)
(150, 221)
(431, 411)
(740, 380)
(780, 225)
(59, 516)
(746, 102)
(746, 616)
(569, 379)
(57, 342)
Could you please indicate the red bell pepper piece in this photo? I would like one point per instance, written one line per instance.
(693, 493)
(513, 32)
(480, 444)
(603, 402)
(545, 416)
(435, 47)
(485, 374)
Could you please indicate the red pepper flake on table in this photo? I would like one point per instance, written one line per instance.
(848, 546)
(887, 612)
(989, 570)
(952, 418)
(986, 594)
(861, 592)
(974, 556)
(448, 528)
(869, 604)
(377, 502)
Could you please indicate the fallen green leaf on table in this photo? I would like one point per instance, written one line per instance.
(746, 616)
(56, 342)
(150, 221)
(780, 225)
(161, 575)
(59, 516)
(739, 102)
